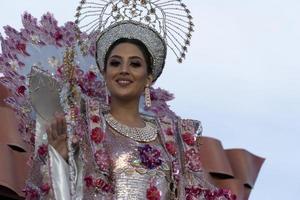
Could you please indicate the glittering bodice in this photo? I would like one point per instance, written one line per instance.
(138, 168)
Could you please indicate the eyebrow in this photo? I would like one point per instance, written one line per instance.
(131, 57)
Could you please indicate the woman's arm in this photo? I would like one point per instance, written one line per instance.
(57, 135)
(50, 176)
(196, 185)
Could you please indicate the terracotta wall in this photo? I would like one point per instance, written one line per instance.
(13, 155)
(234, 169)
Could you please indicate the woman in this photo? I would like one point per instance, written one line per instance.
(100, 151)
(105, 151)
(139, 156)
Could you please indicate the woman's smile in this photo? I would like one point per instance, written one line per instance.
(124, 82)
(126, 72)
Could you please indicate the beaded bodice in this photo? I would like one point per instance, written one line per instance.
(138, 169)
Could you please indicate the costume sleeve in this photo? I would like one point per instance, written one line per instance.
(50, 176)
(195, 183)
(59, 175)
(95, 180)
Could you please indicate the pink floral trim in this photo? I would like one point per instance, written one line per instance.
(43, 150)
(159, 98)
(89, 181)
(193, 160)
(169, 131)
(169, 138)
(195, 192)
(102, 159)
(31, 194)
(189, 138)
(90, 84)
(171, 148)
(191, 151)
(102, 185)
(97, 135)
(95, 122)
(21, 90)
(95, 119)
(45, 188)
(98, 184)
(153, 193)
(36, 193)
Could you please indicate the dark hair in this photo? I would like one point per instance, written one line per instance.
(139, 44)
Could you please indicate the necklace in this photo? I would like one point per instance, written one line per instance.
(145, 134)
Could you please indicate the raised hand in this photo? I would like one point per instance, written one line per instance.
(57, 135)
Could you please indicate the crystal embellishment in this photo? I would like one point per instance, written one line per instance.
(145, 134)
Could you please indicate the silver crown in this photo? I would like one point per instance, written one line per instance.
(170, 18)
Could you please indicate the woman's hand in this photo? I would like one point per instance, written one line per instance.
(57, 135)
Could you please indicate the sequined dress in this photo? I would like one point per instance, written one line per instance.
(136, 167)
(111, 166)
(126, 168)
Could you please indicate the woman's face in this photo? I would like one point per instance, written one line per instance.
(126, 73)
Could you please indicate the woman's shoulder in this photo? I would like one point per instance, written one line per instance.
(181, 125)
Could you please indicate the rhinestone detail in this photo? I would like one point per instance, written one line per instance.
(145, 134)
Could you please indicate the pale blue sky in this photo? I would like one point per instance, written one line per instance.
(241, 79)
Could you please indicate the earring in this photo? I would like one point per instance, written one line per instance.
(147, 97)
(106, 94)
